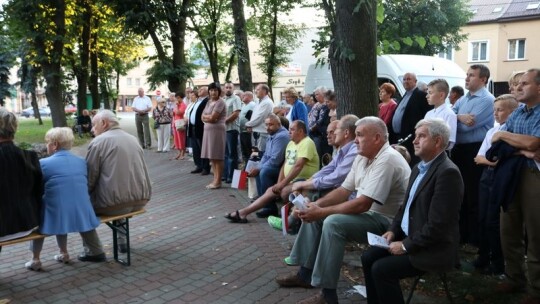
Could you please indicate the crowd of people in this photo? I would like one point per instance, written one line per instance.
(426, 175)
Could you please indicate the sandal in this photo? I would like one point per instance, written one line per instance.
(236, 218)
(212, 187)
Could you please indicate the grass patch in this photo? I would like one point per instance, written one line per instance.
(31, 132)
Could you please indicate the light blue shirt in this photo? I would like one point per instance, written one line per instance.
(479, 104)
(400, 110)
(423, 168)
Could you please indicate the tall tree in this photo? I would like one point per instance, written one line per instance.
(353, 48)
(42, 25)
(7, 61)
(277, 39)
(211, 28)
(423, 27)
(158, 20)
(241, 47)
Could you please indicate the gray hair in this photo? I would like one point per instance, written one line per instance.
(320, 89)
(376, 123)
(537, 75)
(8, 124)
(348, 122)
(109, 116)
(436, 128)
(62, 136)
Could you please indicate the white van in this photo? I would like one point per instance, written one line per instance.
(391, 68)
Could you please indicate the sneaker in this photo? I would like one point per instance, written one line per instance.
(275, 222)
(62, 258)
(289, 261)
(34, 265)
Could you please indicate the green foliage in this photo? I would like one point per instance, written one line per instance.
(423, 27)
(163, 71)
(7, 61)
(277, 39)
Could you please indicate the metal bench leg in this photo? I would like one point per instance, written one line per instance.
(120, 226)
(446, 289)
(413, 287)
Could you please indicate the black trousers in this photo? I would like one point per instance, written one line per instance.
(201, 163)
(463, 156)
(382, 272)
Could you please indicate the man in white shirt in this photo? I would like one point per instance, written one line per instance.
(141, 106)
(260, 113)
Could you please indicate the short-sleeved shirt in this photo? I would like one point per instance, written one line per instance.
(233, 104)
(383, 179)
(445, 113)
(305, 149)
(141, 103)
(526, 121)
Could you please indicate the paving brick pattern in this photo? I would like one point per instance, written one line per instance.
(183, 251)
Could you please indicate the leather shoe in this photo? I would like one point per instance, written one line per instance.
(316, 299)
(292, 280)
(196, 171)
(92, 258)
(204, 172)
(265, 212)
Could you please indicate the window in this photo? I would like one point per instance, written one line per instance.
(128, 81)
(516, 49)
(138, 82)
(533, 6)
(448, 54)
(478, 51)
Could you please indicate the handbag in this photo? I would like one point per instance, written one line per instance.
(180, 124)
(156, 125)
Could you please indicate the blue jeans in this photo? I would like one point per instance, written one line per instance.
(267, 177)
(231, 155)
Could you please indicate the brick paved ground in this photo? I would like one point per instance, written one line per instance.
(183, 251)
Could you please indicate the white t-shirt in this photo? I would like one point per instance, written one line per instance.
(142, 103)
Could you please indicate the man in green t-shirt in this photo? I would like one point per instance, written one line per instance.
(301, 162)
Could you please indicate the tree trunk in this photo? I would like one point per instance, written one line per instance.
(230, 67)
(34, 105)
(241, 46)
(178, 32)
(271, 69)
(94, 72)
(82, 75)
(353, 58)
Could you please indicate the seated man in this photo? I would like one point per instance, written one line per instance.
(424, 235)
(379, 174)
(301, 162)
(340, 134)
(118, 179)
(84, 123)
(267, 172)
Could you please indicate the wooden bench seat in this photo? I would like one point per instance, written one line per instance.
(117, 223)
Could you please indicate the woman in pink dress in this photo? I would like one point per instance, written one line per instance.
(388, 105)
(179, 134)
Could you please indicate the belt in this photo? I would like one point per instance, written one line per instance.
(141, 114)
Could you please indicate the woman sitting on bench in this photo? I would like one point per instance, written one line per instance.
(20, 182)
(66, 202)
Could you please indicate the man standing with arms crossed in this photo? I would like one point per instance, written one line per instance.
(474, 118)
(523, 133)
(141, 106)
(234, 105)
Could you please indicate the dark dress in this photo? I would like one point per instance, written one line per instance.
(21, 189)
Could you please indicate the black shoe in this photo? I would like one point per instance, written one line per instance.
(92, 258)
(196, 171)
(265, 212)
(205, 172)
(228, 181)
(122, 248)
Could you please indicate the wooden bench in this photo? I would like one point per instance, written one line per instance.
(117, 223)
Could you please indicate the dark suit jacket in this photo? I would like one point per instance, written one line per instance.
(197, 130)
(416, 109)
(433, 237)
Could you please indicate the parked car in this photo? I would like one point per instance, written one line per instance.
(70, 109)
(43, 111)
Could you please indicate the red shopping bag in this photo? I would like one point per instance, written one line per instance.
(239, 180)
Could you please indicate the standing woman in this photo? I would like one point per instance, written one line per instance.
(66, 202)
(213, 144)
(179, 129)
(21, 185)
(163, 117)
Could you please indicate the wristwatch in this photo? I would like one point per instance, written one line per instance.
(403, 247)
